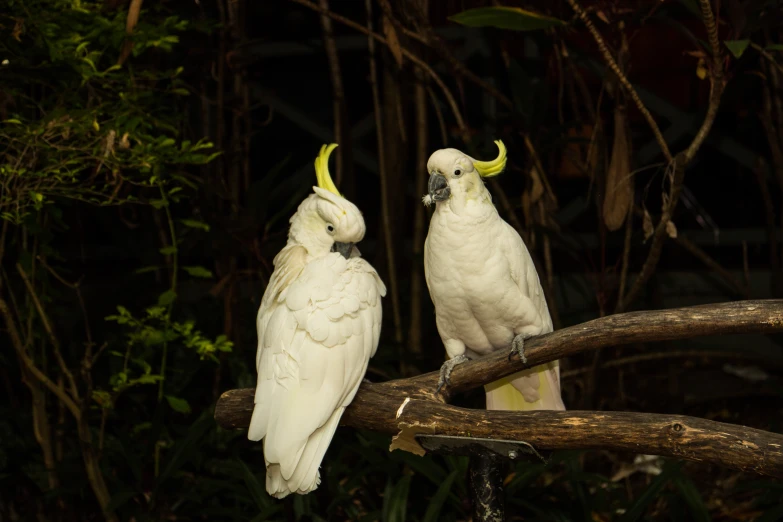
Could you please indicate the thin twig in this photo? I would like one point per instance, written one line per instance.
(678, 165)
(626, 250)
(746, 267)
(769, 215)
(716, 83)
(419, 224)
(622, 78)
(668, 355)
(50, 332)
(338, 96)
(16, 342)
(769, 57)
(385, 211)
(705, 258)
(77, 288)
(412, 57)
(444, 135)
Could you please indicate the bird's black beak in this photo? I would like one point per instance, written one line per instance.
(344, 248)
(439, 187)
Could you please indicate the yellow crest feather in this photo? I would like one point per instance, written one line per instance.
(322, 169)
(488, 169)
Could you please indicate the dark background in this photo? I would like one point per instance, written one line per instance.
(258, 83)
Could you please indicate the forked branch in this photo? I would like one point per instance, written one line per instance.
(408, 407)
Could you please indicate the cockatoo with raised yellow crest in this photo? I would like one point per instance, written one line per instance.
(318, 326)
(483, 283)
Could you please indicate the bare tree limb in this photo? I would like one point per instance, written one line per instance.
(674, 354)
(343, 167)
(16, 342)
(385, 211)
(687, 244)
(50, 332)
(623, 80)
(412, 57)
(419, 220)
(410, 406)
(679, 436)
(677, 165)
(716, 82)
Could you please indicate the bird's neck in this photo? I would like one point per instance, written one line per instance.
(475, 205)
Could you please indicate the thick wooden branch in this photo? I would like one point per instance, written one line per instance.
(407, 407)
(689, 438)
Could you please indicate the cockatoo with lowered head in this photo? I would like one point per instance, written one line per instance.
(483, 283)
(318, 326)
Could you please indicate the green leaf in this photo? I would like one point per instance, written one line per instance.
(197, 271)
(180, 91)
(120, 499)
(14, 121)
(192, 223)
(178, 405)
(505, 18)
(737, 47)
(693, 498)
(184, 449)
(636, 510)
(167, 297)
(395, 500)
(774, 47)
(692, 6)
(168, 250)
(145, 269)
(254, 486)
(436, 504)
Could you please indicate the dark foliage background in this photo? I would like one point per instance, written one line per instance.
(152, 154)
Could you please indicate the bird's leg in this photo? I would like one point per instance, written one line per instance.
(366, 380)
(518, 346)
(447, 368)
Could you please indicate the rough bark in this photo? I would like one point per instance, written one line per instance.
(410, 407)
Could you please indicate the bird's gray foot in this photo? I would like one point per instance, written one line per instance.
(447, 368)
(518, 347)
(366, 380)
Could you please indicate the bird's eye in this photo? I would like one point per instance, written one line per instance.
(330, 228)
(457, 173)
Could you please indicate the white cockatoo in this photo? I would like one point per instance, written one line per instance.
(318, 326)
(482, 281)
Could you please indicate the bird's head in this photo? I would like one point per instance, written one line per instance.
(326, 221)
(455, 174)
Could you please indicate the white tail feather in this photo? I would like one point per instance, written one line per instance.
(305, 477)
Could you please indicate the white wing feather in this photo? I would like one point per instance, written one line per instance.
(524, 274)
(318, 326)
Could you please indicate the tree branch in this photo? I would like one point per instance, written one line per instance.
(623, 80)
(383, 407)
(728, 278)
(679, 163)
(412, 57)
(343, 167)
(16, 342)
(50, 331)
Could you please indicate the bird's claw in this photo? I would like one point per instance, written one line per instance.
(518, 347)
(447, 368)
(366, 380)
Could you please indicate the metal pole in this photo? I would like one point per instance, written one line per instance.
(485, 482)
